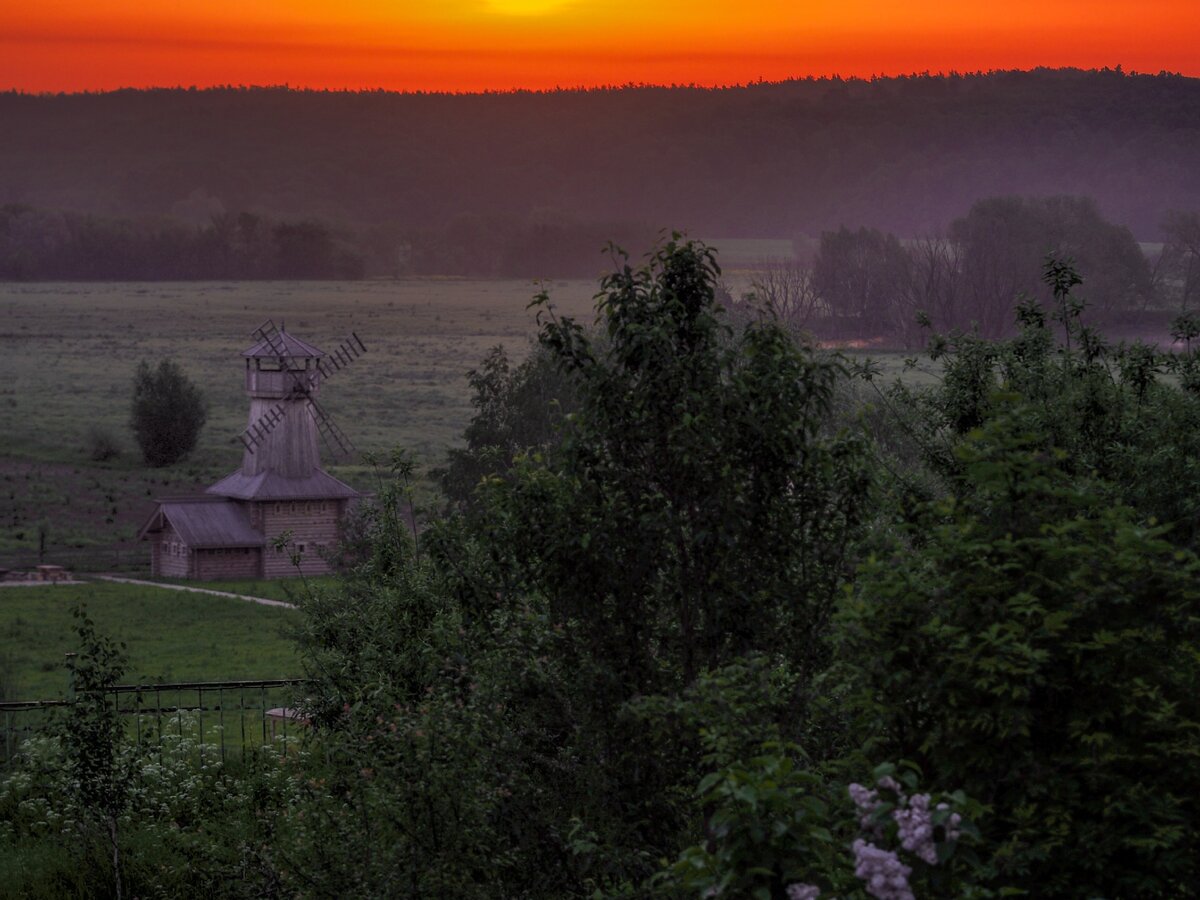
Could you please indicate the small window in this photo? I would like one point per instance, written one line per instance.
(300, 548)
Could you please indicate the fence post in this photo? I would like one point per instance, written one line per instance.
(71, 676)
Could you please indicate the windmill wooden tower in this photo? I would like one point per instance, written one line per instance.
(230, 532)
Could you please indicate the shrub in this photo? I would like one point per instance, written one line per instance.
(1038, 646)
(168, 413)
(102, 444)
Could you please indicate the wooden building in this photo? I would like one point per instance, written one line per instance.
(232, 530)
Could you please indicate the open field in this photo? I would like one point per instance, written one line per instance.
(169, 636)
(68, 352)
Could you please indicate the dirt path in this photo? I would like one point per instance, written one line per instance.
(261, 601)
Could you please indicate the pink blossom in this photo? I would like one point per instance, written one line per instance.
(885, 877)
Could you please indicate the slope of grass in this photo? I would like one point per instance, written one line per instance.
(169, 636)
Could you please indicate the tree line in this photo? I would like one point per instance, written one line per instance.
(899, 154)
(44, 245)
(868, 283)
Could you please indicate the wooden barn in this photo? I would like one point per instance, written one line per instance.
(231, 530)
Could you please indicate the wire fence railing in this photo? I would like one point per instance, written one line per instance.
(222, 717)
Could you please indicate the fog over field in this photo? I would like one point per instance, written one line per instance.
(532, 184)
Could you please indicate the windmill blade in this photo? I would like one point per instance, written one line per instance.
(258, 430)
(335, 438)
(344, 354)
(269, 334)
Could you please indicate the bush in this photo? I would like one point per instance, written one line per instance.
(168, 413)
(102, 444)
(1037, 645)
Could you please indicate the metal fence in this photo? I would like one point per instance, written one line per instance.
(223, 717)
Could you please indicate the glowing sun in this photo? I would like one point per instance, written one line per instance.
(526, 7)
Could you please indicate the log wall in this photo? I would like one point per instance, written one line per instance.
(315, 527)
(171, 556)
(230, 563)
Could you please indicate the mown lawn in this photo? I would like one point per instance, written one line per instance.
(169, 636)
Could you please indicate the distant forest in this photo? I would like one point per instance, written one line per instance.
(336, 184)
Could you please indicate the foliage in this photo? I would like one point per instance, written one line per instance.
(777, 830)
(697, 574)
(768, 827)
(191, 826)
(647, 529)
(1112, 411)
(167, 414)
(486, 683)
(102, 444)
(1002, 242)
(517, 411)
(1037, 645)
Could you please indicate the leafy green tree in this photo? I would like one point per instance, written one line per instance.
(167, 414)
(518, 410)
(1113, 411)
(92, 738)
(1002, 241)
(695, 509)
(858, 273)
(1035, 644)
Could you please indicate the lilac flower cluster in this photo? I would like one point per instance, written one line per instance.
(800, 891)
(886, 878)
(885, 875)
(916, 827)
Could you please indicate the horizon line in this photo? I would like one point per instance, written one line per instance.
(1118, 69)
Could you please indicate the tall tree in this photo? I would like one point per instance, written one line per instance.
(168, 412)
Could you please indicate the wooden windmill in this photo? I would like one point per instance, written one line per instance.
(283, 376)
(280, 488)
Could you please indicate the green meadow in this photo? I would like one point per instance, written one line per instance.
(168, 635)
(68, 353)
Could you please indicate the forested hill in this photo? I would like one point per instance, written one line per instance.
(904, 154)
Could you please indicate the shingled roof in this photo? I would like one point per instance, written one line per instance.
(270, 485)
(205, 522)
(295, 348)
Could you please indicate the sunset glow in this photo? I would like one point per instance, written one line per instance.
(467, 45)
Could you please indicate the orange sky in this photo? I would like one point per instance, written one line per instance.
(72, 45)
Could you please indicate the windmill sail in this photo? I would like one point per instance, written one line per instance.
(329, 430)
(303, 385)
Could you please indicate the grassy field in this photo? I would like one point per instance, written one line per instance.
(169, 636)
(68, 352)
